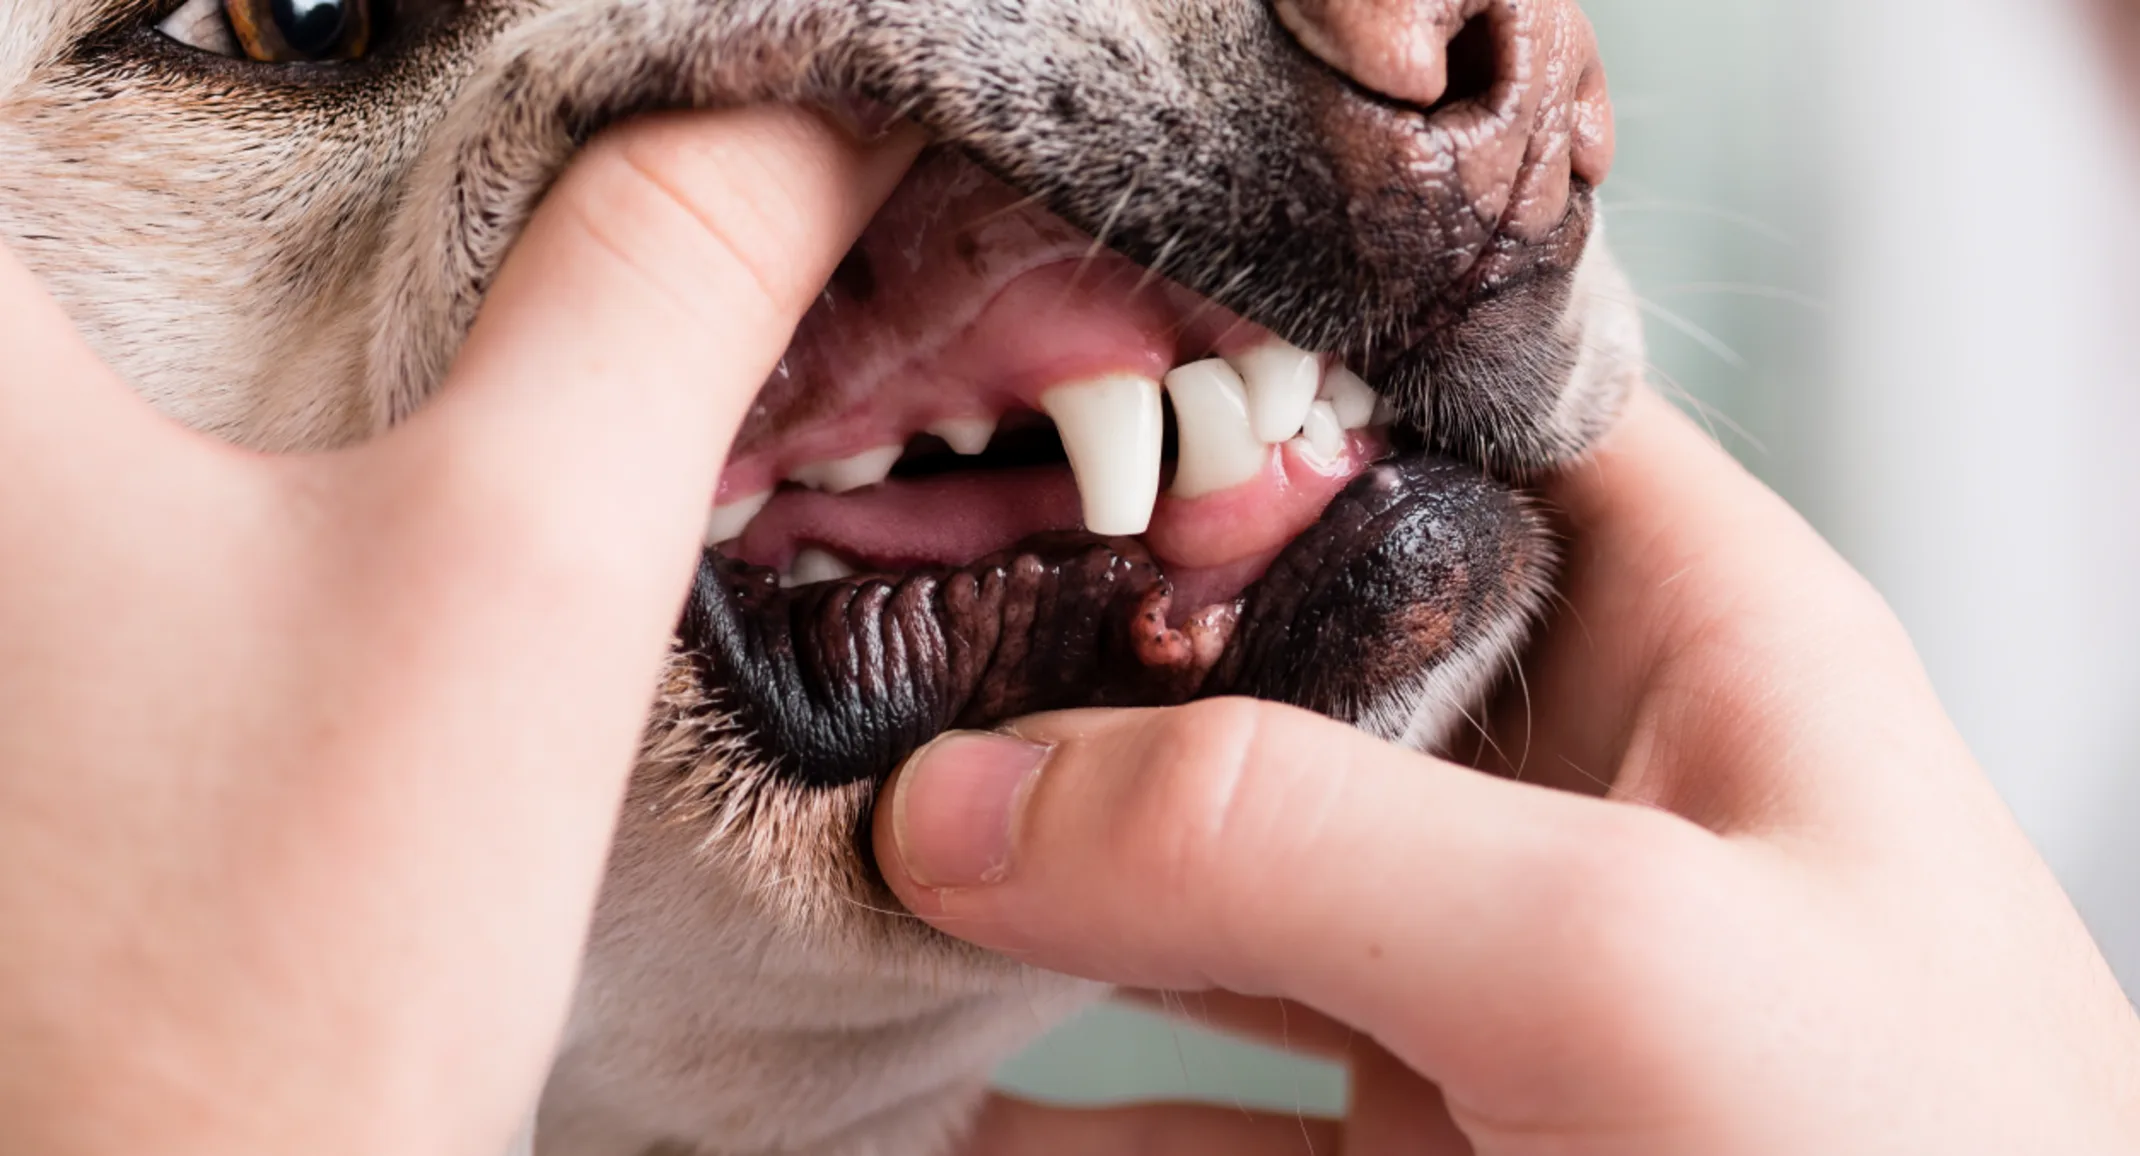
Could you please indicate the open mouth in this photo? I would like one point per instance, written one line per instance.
(1003, 470)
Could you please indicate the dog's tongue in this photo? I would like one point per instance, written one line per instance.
(841, 681)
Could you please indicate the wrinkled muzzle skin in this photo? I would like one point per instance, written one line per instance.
(287, 256)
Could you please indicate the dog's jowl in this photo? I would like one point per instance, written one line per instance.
(1205, 352)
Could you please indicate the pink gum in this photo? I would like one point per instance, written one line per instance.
(1064, 322)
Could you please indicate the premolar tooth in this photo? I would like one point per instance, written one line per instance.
(1324, 433)
(1352, 397)
(966, 435)
(1282, 382)
(727, 522)
(838, 477)
(812, 566)
(1112, 429)
(1218, 448)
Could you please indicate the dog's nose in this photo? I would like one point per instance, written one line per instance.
(1509, 92)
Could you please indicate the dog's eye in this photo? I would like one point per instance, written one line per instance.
(274, 31)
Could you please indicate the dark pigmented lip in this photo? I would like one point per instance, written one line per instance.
(1415, 562)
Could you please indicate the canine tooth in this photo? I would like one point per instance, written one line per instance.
(812, 566)
(727, 522)
(1218, 448)
(1282, 382)
(837, 477)
(1112, 429)
(1323, 432)
(1352, 397)
(966, 435)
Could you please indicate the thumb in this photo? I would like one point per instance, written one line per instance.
(1264, 850)
(630, 328)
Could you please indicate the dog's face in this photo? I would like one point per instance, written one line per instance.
(1354, 238)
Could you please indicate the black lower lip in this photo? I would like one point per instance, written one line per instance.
(1413, 564)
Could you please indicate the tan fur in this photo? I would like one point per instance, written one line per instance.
(288, 261)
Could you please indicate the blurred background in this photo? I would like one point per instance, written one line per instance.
(1891, 250)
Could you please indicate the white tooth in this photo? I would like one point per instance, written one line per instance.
(1323, 432)
(1385, 413)
(864, 469)
(966, 435)
(1353, 398)
(1282, 382)
(727, 522)
(812, 566)
(1112, 429)
(1218, 450)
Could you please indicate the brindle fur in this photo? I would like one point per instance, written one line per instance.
(287, 257)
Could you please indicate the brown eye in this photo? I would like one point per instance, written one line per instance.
(300, 31)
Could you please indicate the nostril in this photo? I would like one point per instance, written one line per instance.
(1423, 53)
(1471, 64)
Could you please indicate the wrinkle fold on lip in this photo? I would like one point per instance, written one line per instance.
(841, 681)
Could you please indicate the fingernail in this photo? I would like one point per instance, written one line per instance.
(956, 805)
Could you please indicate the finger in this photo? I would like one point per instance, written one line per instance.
(1268, 851)
(521, 547)
(631, 327)
(1018, 1128)
(506, 569)
(1277, 1023)
(1714, 655)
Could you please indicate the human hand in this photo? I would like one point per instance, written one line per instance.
(308, 765)
(1798, 920)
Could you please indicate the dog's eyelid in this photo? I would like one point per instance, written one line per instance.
(202, 24)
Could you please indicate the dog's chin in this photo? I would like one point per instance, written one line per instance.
(1003, 471)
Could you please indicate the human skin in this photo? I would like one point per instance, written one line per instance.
(308, 765)
(1739, 887)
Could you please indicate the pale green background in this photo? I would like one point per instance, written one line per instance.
(1886, 245)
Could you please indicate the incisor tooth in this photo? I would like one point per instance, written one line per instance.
(1352, 398)
(1323, 433)
(966, 435)
(837, 477)
(727, 522)
(1282, 382)
(812, 566)
(1112, 429)
(1218, 449)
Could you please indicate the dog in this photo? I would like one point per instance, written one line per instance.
(1329, 270)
